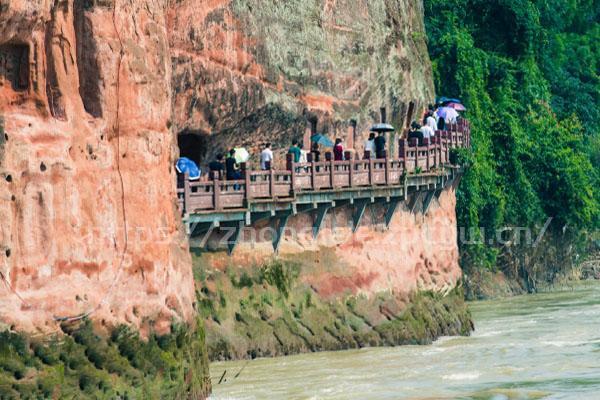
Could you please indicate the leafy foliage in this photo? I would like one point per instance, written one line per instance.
(83, 364)
(527, 70)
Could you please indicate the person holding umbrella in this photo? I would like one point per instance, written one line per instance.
(380, 145)
(380, 141)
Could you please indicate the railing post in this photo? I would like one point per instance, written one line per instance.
(217, 194)
(186, 194)
(271, 183)
(387, 170)
(416, 155)
(428, 164)
(248, 183)
(371, 182)
(313, 173)
(448, 144)
(293, 180)
(351, 172)
(403, 152)
(331, 174)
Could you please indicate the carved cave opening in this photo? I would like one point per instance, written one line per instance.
(193, 145)
(14, 66)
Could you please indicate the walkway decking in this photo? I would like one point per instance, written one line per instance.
(316, 187)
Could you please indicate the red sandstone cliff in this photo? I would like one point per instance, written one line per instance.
(417, 252)
(93, 93)
(85, 95)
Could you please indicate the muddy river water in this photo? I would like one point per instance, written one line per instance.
(544, 346)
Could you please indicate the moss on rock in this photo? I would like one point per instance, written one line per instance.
(268, 310)
(82, 364)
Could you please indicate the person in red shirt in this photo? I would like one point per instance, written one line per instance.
(338, 150)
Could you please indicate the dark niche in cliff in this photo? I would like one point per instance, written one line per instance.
(87, 63)
(192, 144)
(3, 139)
(271, 123)
(14, 66)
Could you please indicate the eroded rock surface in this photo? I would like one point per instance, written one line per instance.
(88, 219)
(249, 71)
(93, 94)
(377, 287)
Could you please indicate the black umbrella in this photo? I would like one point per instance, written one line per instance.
(382, 128)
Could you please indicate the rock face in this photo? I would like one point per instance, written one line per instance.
(88, 219)
(93, 94)
(250, 71)
(417, 253)
(375, 287)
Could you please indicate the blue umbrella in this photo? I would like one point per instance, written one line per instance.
(322, 140)
(187, 166)
(443, 100)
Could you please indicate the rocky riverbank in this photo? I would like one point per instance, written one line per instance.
(270, 310)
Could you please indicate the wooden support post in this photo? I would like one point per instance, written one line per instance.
(456, 181)
(413, 201)
(234, 237)
(391, 209)
(371, 181)
(359, 211)
(351, 179)
(187, 209)
(427, 202)
(271, 183)
(320, 215)
(282, 221)
(206, 232)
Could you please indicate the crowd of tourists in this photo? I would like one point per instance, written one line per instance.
(436, 118)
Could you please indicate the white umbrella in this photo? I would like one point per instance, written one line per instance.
(449, 114)
(241, 155)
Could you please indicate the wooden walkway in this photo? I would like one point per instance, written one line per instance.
(315, 178)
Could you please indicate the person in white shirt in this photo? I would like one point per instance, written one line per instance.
(451, 115)
(370, 145)
(431, 122)
(428, 133)
(303, 154)
(266, 158)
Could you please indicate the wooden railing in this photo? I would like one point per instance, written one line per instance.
(273, 185)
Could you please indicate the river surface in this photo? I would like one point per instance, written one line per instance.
(544, 346)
